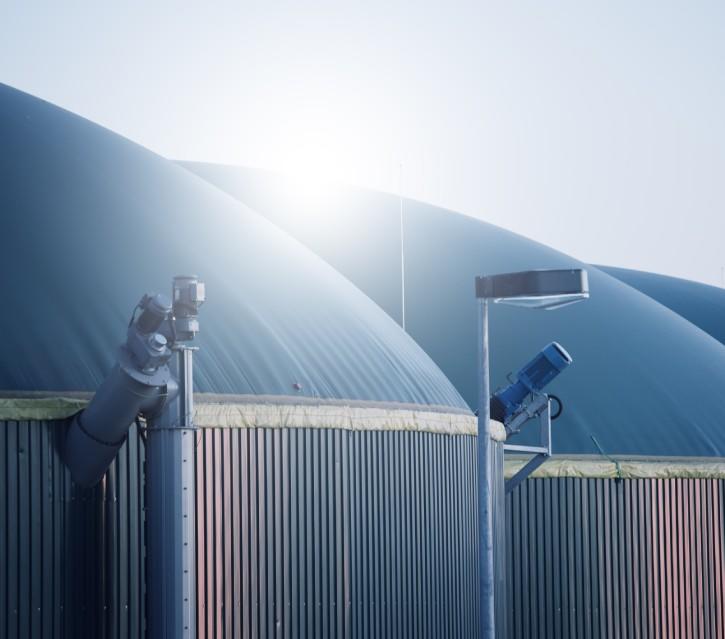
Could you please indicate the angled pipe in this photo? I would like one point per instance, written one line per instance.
(139, 383)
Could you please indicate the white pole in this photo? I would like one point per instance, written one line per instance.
(402, 247)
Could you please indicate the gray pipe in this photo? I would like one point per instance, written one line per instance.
(171, 512)
(96, 433)
(170, 484)
(143, 383)
(139, 383)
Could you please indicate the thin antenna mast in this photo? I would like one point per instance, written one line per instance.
(402, 246)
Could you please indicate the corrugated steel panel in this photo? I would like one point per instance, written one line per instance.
(329, 533)
(66, 571)
(602, 558)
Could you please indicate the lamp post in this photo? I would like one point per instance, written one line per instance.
(544, 289)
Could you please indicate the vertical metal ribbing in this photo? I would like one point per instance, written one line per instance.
(53, 545)
(170, 494)
(624, 555)
(64, 548)
(369, 522)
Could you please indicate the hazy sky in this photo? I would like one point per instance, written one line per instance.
(596, 128)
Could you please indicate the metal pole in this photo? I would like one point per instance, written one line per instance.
(487, 620)
(170, 500)
(402, 249)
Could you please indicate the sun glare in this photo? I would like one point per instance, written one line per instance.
(322, 143)
(312, 171)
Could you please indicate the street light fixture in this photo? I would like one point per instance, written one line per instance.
(544, 289)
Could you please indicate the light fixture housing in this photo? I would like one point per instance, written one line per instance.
(542, 288)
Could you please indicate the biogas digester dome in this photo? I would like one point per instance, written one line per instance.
(635, 361)
(700, 304)
(335, 462)
(621, 534)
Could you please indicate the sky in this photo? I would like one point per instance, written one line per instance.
(595, 128)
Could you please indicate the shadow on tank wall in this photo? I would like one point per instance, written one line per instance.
(54, 536)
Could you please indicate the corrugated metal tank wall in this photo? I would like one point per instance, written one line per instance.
(302, 532)
(65, 573)
(606, 558)
(336, 533)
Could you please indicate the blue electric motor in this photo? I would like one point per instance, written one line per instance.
(532, 378)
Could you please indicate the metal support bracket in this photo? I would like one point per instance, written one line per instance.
(541, 453)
